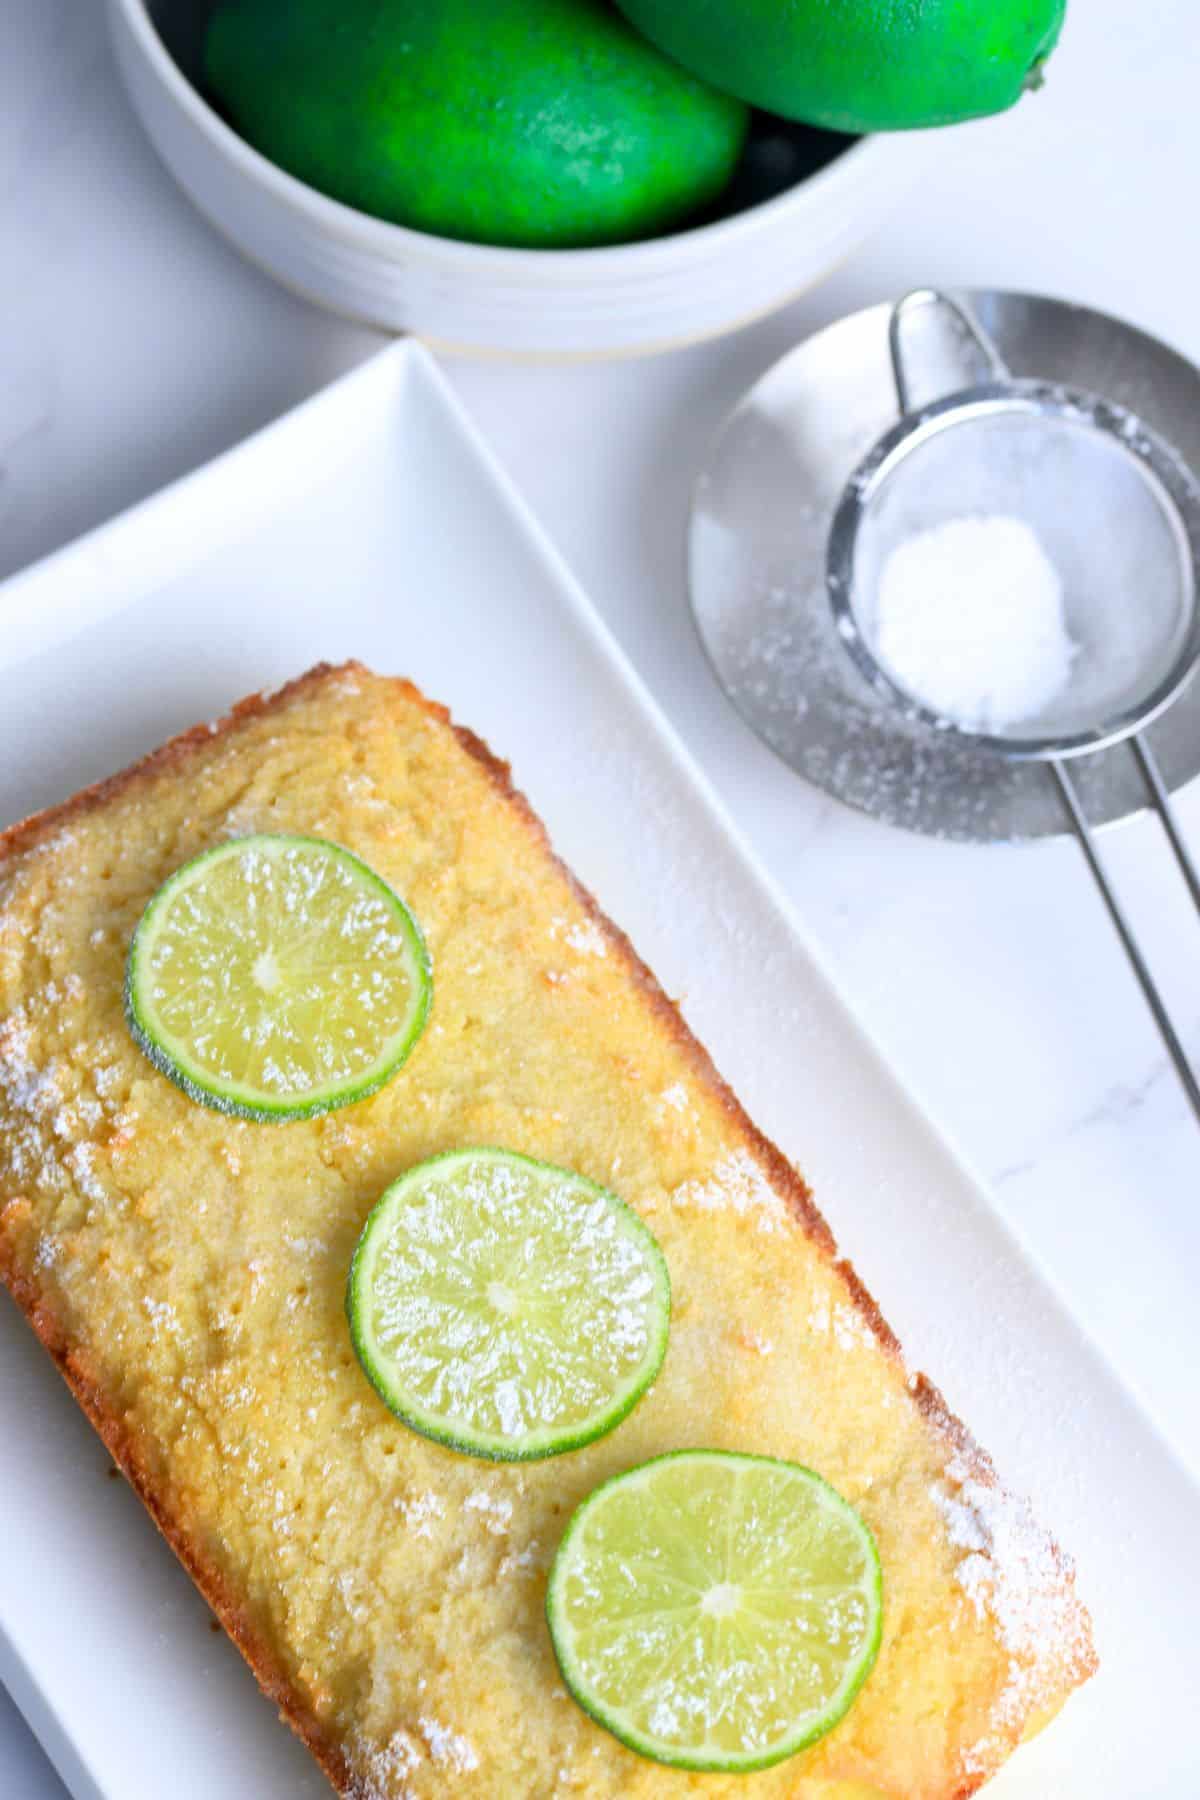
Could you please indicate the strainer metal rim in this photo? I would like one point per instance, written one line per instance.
(1158, 460)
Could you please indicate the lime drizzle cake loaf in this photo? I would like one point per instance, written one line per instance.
(187, 1271)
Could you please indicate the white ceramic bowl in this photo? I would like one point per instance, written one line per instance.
(611, 301)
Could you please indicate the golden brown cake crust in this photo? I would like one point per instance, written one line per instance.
(326, 1745)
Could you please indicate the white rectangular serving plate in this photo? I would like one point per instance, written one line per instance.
(371, 523)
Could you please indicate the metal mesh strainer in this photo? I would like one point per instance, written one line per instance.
(1119, 513)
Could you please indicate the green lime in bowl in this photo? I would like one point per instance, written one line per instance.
(545, 124)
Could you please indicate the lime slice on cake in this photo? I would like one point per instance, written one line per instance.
(507, 1308)
(276, 977)
(716, 1611)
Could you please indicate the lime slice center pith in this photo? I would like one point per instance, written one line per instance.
(277, 977)
(507, 1308)
(716, 1611)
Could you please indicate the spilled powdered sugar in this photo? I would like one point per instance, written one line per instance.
(1013, 1574)
(739, 1185)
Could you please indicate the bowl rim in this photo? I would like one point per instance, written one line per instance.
(391, 241)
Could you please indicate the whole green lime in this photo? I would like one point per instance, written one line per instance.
(860, 65)
(547, 123)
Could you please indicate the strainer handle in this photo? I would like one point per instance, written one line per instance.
(1157, 789)
(1116, 911)
(925, 297)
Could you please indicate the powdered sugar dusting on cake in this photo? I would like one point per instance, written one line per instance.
(46, 1253)
(531, 1557)
(107, 1078)
(29, 1090)
(307, 1248)
(81, 1160)
(1013, 1574)
(844, 1323)
(161, 1313)
(420, 1513)
(494, 1511)
(737, 1184)
(246, 819)
(45, 1128)
(448, 1747)
(380, 1772)
(583, 935)
(32, 1097)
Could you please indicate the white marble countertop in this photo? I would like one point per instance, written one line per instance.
(134, 345)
